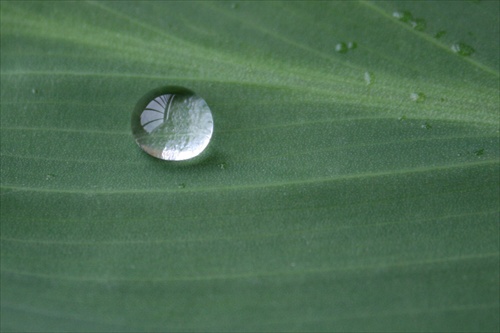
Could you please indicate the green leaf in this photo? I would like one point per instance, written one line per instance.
(342, 191)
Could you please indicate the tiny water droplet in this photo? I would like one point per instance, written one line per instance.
(426, 125)
(403, 16)
(479, 152)
(352, 45)
(418, 24)
(368, 78)
(223, 165)
(181, 185)
(50, 176)
(439, 34)
(172, 123)
(462, 49)
(34, 91)
(293, 264)
(402, 118)
(341, 47)
(406, 17)
(418, 97)
(234, 6)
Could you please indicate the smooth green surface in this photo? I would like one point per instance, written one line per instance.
(323, 203)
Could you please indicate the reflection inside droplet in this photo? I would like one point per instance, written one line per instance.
(172, 123)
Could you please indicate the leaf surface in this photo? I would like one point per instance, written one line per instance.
(342, 191)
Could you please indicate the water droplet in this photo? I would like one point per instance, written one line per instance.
(341, 47)
(368, 78)
(181, 185)
(34, 91)
(402, 118)
(406, 17)
(418, 97)
(234, 6)
(462, 49)
(223, 165)
(418, 24)
(293, 264)
(352, 45)
(172, 123)
(479, 152)
(439, 34)
(426, 125)
(403, 16)
(50, 176)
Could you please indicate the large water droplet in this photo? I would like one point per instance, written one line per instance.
(172, 123)
(462, 49)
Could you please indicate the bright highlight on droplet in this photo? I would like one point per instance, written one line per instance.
(172, 123)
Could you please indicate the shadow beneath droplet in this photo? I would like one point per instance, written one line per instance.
(210, 158)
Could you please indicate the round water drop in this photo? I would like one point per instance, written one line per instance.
(341, 47)
(403, 16)
(426, 125)
(418, 24)
(462, 49)
(352, 45)
(172, 123)
(418, 97)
